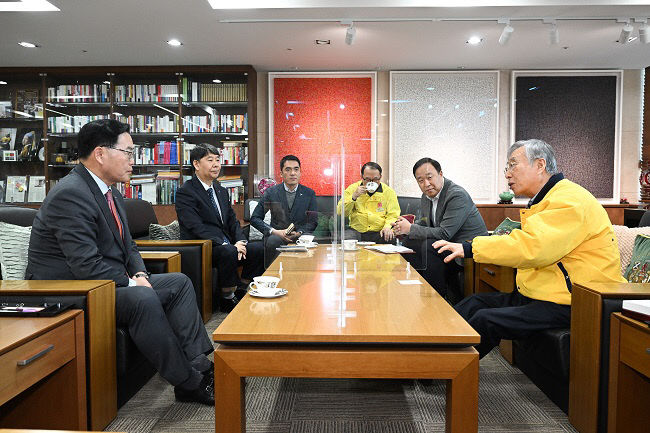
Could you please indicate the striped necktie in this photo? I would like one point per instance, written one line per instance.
(214, 203)
(111, 206)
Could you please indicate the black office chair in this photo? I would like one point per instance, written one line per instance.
(645, 219)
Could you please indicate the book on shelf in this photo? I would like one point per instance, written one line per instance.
(16, 189)
(146, 93)
(193, 91)
(36, 189)
(75, 93)
(234, 152)
(2, 191)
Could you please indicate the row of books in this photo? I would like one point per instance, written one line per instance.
(213, 92)
(79, 93)
(146, 93)
(70, 124)
(22, 189)
(140, 123)
(216, 123)
(162, 152)
(234, 153)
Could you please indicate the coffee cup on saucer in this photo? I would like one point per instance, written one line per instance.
(350, 244)
(265, 285)
(372, 187)
(305, 240)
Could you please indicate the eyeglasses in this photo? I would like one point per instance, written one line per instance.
(510, 165)
(129, 153)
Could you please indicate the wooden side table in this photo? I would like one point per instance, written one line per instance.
(100, 337)
(170, 259)
(629, 376)
(43, 372)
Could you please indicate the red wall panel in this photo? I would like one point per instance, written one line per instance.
(312, 116)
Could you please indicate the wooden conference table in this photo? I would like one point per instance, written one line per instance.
(381, 329)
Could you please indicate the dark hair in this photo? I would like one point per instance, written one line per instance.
(423, 161)
(99, 133)
(371, 165)
(286, 158)
(201, 150)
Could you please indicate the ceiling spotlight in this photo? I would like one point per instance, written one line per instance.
(474, 40)
(644, 33)
(27, 44)
(350, 33)
(174, 42)
(506, 33)
(216, 80)
(626, 31)
(3, 82)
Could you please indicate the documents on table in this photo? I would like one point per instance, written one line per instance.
(389, 249)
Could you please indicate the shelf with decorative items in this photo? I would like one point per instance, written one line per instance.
(168, 108)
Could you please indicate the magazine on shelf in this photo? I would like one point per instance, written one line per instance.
(16, 189)
(36, 189)
(7, 138)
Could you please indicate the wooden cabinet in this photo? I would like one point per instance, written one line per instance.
(493, 278)
(629, 376)
(169, 109)
(42, 372)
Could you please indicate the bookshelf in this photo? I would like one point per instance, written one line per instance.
(169, 109)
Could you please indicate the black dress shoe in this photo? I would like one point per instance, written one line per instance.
(227, 304)
(241, 292)
(204, 394)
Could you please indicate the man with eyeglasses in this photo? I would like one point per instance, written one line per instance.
(81, 232)
(447, 212)
(371, 206)
(566, 237)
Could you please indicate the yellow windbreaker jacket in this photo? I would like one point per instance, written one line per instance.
(565, 238)
(370, 213)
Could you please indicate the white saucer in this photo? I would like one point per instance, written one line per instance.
(351, 249)
(366, 243)
(279, 292)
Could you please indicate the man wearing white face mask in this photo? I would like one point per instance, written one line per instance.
(371, 205)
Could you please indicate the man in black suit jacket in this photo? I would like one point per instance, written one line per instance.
(289, 202)
(81, 232)
(447, 212)
(204, 212)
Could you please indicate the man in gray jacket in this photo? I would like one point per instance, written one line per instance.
(446, 212)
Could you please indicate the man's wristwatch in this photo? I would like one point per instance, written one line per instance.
(142, 274)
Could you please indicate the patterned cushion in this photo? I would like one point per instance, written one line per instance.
(638, 271)
(506, 227)
(625, 236)
(254, 234)
(14, 243)
(171, 231)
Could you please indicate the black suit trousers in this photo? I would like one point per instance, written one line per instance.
(224, 258)
(442, 276)
(164, 323)
(510, 316)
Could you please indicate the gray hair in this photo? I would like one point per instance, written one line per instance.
(537, 149)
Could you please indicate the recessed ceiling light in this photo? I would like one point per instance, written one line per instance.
(323, 41)
(3, 82)
(216, 80)
(106, 82)
(27, 44)
(174, 42)
(474, 40)
(28, 6)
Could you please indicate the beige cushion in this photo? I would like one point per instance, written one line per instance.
(169, 232)
(253, 233)
(14, 244)
(625, 236)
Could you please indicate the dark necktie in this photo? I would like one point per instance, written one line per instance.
(111, 206)
(214, 204)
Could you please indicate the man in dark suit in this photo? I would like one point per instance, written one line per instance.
(447, 212)
(81, 232)
(204, 212)
(289, 203)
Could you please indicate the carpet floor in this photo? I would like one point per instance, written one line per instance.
(508, 402)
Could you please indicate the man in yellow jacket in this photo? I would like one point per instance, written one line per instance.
(566, 237)
(371, 206)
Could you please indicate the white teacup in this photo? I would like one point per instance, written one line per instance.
(264, 285)
(350, 244)
(372, 187)
(305, 239)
